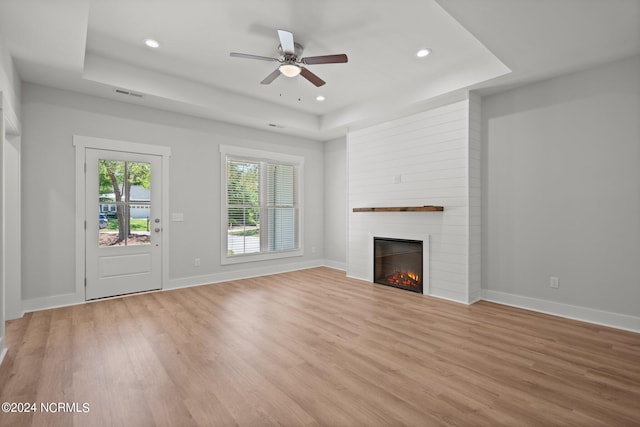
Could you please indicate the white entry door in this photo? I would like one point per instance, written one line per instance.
(123, 252)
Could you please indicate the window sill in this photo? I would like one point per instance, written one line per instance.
(240, 259)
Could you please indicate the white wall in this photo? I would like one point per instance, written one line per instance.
(3, 345)
(9, 210)
(11, 220)
(9, 82)
(562, 194)
(474, 179)
(335, 203)
(51, 117)
(430, 151)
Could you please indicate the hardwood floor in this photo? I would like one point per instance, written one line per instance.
(315, 348)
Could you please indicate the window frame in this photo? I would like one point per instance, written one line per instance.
(254, 155)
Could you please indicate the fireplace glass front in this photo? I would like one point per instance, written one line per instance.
(398, 263)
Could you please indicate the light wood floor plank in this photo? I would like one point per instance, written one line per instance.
(315, 348)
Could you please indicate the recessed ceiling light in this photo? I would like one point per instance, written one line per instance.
(423, 52)
(152, 43)
(320, 98)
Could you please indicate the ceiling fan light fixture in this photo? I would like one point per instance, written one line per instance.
(290, 70)
(290, 61)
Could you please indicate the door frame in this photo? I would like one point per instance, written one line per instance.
(82, 143)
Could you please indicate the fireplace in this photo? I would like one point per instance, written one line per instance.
(398, 263)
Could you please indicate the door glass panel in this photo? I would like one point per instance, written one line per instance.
(124, 196)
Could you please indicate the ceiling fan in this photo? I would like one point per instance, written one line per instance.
(290, 61)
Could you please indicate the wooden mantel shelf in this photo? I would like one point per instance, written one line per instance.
(402, 209)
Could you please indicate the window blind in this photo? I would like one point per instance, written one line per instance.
(262, 209)
(281, 209)
(243, 207)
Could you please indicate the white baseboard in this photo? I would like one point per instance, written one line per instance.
(246, 273)
(3, 349)
(474, 297)
(54, 301)
(446, 295)
(585, 314)
(335, 265)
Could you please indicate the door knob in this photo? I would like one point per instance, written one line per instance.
(157, 229)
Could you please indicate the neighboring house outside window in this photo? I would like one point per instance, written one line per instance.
(140, 199)
(261, 205)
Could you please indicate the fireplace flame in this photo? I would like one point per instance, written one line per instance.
(408, 279)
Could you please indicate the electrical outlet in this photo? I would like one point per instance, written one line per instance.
(554, 282)
(196, 262)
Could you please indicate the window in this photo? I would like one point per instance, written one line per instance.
(261, 205)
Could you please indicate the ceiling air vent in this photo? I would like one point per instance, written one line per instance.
(126, 92)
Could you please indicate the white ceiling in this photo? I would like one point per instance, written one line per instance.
(97, 46)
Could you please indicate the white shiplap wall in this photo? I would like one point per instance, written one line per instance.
(436, 155)
(475, 199)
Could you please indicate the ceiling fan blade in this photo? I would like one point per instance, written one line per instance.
(312, 77)
(247, 56)
(325, 59)
(286, 41)
(271, 77)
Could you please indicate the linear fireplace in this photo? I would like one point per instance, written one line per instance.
(398, 263)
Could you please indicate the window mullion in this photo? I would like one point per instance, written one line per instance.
(264, 211)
